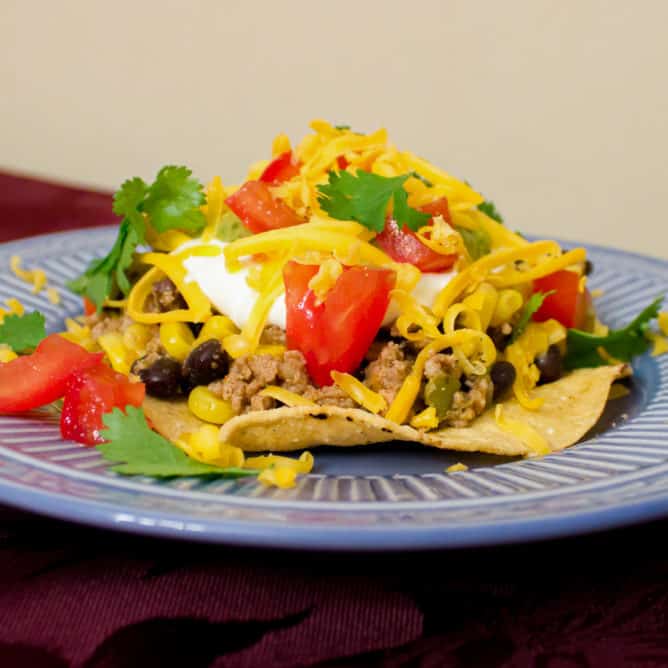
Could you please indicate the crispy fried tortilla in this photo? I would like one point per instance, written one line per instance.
(572, 405)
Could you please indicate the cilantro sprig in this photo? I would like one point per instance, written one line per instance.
(137, 450)
(23, 333)
(172, 201)
(365, 197)
(622, 344)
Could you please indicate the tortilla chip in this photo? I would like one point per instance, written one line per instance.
(572, 406)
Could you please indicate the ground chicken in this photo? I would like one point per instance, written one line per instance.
(249, 375)
(387, 372)
(467, 405)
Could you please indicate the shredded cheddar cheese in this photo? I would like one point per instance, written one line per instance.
(426, 419)
(324, 280)
(405, 398)
(455, 468)
(35, 277)
(359, 393)
(285, 396)
(659, 343)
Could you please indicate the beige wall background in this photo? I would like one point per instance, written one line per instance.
(555, 110)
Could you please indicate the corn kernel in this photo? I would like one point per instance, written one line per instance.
(136, 338)
(205, 405)
(176, 339)
(216, 327)
(119, 356)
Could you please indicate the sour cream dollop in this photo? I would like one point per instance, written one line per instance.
(231, 295)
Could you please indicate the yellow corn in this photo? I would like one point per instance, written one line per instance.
(216, 327)
(136, 338)
(205, 405)
(176, 339)
(119, 356)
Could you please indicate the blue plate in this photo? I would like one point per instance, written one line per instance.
(395, 496)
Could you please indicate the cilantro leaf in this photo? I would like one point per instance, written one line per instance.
(488, 208)
(174, 199)
(137, 450)
(622, 344)
(23, 332)
(364, 197)
(533, 304)
(477, 242)
(127, 203)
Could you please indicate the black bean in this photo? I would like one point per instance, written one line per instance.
(162, 378)
(550, 365)
(588, 268)
(503, 376)
(205, 364)
(499, 339)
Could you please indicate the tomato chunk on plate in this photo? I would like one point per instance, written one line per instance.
(335, 334)
(259, 210)
(89, 395)
(37, 379)
(568, 304)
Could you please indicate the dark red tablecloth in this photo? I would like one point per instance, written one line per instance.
(77, 596)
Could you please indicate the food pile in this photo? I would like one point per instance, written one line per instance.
(348, 292)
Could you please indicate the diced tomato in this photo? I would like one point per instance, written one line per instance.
(282, 168)
(89, 395)
(342, 162)
(335, 334)
(259, 210)
(89, 307)
(439, 207)
(34, 380)
(567, 304)
(403, 245)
